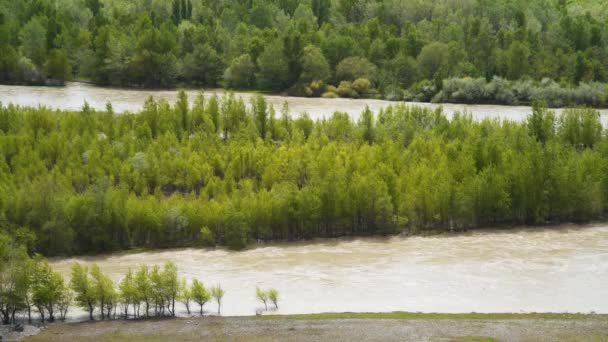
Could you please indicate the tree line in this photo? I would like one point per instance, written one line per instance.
(348, 48)
(28, 284)
(219, 171)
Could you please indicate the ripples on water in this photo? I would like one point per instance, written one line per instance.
(542, 270)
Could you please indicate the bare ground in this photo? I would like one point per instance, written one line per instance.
(297, 329)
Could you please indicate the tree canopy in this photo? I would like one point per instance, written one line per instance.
(309, 48)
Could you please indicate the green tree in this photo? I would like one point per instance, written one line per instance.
(314, 65)
(273, 295)
(57, 66)
(241, 73)
(352, 68)
(432, 58)
(217, 293)
(199, 294)
(84, 288)
(273, 68)
(262, 296)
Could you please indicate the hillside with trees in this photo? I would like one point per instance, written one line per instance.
(475, 51)
(221, 172)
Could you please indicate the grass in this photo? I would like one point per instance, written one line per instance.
(419, 315)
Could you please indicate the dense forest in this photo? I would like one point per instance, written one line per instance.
(502, 51)
(223, 172)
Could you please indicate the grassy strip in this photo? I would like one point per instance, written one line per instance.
(418, 315)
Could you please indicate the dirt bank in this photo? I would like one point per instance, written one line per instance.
(315, 328)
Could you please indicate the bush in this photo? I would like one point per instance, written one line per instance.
(393, 93)
(499, 90)
(352, 68)
(345, 90)
(423, 91)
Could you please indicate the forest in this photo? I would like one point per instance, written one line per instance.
(476, 51)
(217, 171)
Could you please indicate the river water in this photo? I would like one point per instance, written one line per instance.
(562, 269)
(555, 269)
(75, 94)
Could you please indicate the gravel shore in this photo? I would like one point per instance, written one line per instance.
(288, 329)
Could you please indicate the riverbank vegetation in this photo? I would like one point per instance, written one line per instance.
(549, 50)
(28, 285)
(224, 173)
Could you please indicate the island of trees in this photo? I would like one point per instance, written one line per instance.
(220, 172)
(477, 51)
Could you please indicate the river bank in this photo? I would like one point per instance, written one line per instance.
(396, 326)
(74, 94)
(480, 271)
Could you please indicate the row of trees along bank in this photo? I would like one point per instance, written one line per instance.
(29, 284)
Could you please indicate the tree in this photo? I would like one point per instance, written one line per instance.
(321, 10)
(103, 287)
(33, 40)
(541, 124)
(57, 66)
(144, 287)
(84, 288)
(260, 113)
(129, 293)
(171, 284)
(217, 293)
(518, 55)
(241, 73)
(47, 289)
(273, 295)
(185, 294)
(181, 106)
(262, 296)
(432, 58)
(199, 294)
(314, 65)
(352, 68)
(273, 68)
(203, 66)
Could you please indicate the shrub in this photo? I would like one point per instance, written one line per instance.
(329, 95)
(345, 90)
(352, 68)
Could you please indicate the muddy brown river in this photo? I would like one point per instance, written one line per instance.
(556, 269)
(75, 94)
(561, 269)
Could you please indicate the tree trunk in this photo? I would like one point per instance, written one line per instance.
(90, 311)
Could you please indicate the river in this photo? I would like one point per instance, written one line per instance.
(553, 269)
(560, 269)
(74, 94)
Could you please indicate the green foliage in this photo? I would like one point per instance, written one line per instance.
(217, 293)
(274, 68)
(432, 58)
(262, 296)
(289, 44)
(84, 288)
(352, 68)
(219, 172)
(199, 293)
(314, 65)
(273, 295)
(241, 73)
